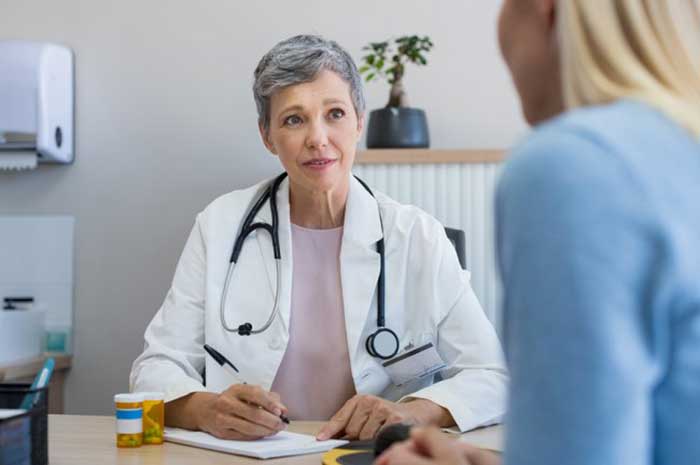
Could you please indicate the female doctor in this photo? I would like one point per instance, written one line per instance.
(360, 280)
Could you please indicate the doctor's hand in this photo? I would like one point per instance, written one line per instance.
(364, 415)
(242, 412)
(429, 446)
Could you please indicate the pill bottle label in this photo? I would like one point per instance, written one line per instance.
(129, 421)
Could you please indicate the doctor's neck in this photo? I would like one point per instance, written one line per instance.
(317, 209)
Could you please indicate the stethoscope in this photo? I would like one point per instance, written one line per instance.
(382, 343)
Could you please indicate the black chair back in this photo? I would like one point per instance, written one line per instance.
(457, 237)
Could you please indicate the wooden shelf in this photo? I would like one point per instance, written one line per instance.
(30, 367)
(439, 156)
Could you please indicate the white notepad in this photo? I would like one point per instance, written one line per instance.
(282, 444)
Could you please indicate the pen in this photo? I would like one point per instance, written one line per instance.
(41, 380)
(221, 360)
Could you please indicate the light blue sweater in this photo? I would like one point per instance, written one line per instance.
(598, 224)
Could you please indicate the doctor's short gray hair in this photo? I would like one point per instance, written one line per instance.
(297, 60)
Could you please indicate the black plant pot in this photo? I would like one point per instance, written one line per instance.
(400, 128)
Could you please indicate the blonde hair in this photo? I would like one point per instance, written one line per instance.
(647, 50)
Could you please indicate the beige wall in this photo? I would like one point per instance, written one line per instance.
(166, 122)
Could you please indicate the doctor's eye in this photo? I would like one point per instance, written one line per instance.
(292, 121)
(336, 113)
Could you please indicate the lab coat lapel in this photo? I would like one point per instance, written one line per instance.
(359, 264)
(265, 244)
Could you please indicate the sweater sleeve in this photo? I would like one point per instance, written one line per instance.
(574, 250)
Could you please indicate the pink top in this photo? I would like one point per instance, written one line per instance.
(315, 379)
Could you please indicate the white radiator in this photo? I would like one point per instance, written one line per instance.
(459, 195)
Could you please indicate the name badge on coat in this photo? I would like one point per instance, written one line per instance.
(416, 363)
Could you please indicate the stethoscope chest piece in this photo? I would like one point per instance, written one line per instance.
(383, 343)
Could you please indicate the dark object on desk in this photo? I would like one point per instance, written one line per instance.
(353, 453)
(398, 128)
(389, 435)
(365, 452)
(24, 437)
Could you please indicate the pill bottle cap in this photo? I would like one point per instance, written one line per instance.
(128, 398)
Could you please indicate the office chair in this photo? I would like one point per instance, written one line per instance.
(456, 236)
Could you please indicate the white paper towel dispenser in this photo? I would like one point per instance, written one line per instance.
(36, 103)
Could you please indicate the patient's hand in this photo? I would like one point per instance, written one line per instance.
(431, 447)
(364, 415)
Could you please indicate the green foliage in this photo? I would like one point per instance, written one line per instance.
(388, 59)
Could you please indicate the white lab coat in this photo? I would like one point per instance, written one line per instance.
(428, 299)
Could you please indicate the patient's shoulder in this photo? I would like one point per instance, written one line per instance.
(576, 156)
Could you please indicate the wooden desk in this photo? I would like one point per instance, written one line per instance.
(88, 440)
(25, 371)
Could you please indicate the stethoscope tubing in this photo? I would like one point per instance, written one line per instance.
(248, 227)
(248, 329)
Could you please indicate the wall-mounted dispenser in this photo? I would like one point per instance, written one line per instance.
(36, 104)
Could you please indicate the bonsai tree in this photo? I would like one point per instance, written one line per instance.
(388, 60)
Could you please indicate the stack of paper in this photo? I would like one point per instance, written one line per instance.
(282, 444)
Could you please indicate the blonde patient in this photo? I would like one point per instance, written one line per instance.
(597, 237)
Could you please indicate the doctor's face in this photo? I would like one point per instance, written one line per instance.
(314, 131)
